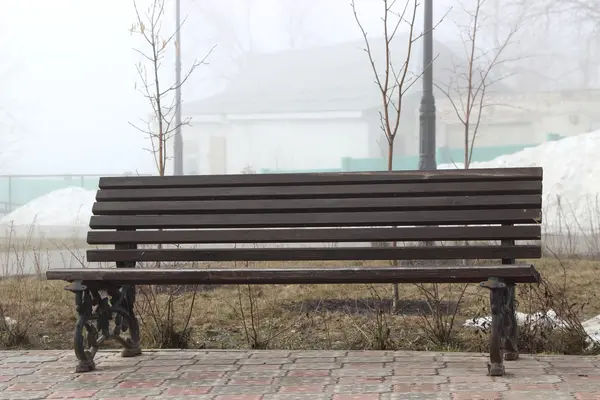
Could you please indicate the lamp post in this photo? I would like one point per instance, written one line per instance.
(178, 140)
(427, 108)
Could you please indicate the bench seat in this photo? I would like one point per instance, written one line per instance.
(294, 276)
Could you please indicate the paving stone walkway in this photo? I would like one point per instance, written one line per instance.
(314, 375)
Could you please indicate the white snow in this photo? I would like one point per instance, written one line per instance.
(571, 180)
(592, 328)
(69, 207)
(9, 323)
(549, 319)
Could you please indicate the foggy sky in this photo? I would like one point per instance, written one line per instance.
(67, 73)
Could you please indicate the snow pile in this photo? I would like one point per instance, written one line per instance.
(69, 207)
(571, 180)
(9, 323)
(548, 320)
(592, 328)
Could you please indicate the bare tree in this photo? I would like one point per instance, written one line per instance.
(562, 36)
(392, 80)
(472, 78)
(161, 126)
(235, 39)
(578, 9)
(235, 31)
(294, 17)
(393, 77)
(583, 16)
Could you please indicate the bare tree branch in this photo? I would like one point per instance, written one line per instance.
(195, 65)
(392, 80)
(468, 99)
(161, 127)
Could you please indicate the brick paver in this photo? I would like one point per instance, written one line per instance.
(314, 375)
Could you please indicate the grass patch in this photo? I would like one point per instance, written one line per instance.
(312, 316)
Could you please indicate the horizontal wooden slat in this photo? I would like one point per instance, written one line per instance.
(318, 235)
(499, 174)
(324, 191)
(513, 273)
(317, 205)
(312, 254)
(399, 218)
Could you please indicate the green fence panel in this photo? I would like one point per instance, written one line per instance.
(400, 163)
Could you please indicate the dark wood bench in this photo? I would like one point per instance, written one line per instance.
(498, 209)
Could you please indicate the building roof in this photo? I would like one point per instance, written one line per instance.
(324, 79)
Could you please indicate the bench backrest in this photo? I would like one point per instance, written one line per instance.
(501, 205)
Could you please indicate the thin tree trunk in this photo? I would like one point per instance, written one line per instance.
(396, 293)
(466, 158)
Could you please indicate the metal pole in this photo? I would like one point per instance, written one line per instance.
(178, 142)
(427, 110)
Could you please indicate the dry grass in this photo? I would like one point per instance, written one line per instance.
(314, 316)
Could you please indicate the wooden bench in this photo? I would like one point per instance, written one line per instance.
(496, 208)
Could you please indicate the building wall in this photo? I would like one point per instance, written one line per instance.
(231, 146)
(492, 134)
(523, 119)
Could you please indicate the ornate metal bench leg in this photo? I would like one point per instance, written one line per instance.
(85, 334)
(510, 325)
(94, 322)
(497, 294)
(131, 346)
(125, 318)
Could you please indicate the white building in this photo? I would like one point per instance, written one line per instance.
(524, 118)
(307, 109)
(298, 110)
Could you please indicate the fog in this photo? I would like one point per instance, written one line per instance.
(69, 87)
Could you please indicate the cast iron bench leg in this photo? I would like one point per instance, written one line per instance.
(498, 294)
(95, 314)
(510, 325)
